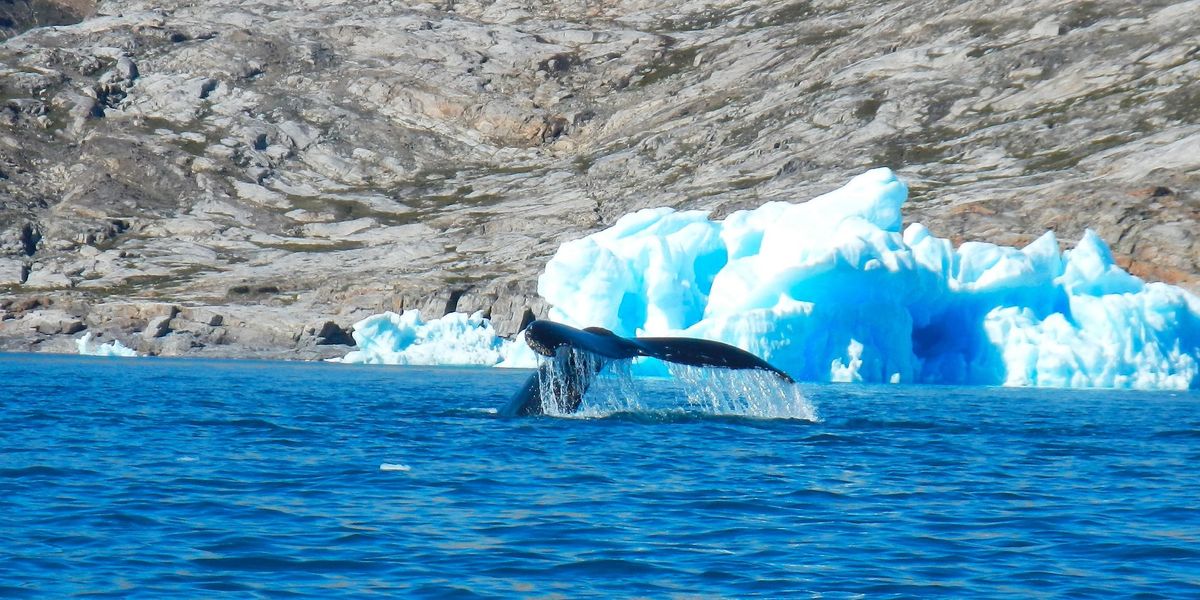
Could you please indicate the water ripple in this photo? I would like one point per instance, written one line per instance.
(202, 478)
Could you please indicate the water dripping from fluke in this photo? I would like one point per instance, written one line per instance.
(689, 393)
(587, 373)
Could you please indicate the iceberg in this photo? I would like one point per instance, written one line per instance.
(406, 339)
(113, 348)
(518, 355)
(835, 289)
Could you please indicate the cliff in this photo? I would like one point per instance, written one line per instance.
(240, 178)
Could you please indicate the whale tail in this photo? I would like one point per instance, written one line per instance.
(580, 354)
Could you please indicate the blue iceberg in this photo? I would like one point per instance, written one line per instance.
(835, 290)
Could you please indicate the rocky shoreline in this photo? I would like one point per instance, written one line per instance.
(165, 329)
(247, 180)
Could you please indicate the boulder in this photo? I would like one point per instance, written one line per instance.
(54, 322)
(157, 327)
(12, 272)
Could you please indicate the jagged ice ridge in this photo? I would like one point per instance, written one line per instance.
(834, 290)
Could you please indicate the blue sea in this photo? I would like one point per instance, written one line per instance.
(159, 478)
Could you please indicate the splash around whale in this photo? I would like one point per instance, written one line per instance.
(577, 356)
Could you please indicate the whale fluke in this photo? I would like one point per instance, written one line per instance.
(575, 371)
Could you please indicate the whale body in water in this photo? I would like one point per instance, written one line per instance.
(580, 354)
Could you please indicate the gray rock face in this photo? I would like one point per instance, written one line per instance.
(157, 327)
(19, 15)
(285, 165)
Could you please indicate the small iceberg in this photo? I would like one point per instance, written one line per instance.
(113, 348)
(406, 339)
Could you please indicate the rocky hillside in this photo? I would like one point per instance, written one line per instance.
(239, 178)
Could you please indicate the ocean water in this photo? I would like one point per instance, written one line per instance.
(162, 478)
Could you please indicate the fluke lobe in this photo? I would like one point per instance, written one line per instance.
(580, 354)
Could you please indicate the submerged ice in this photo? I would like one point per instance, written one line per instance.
(835, 289)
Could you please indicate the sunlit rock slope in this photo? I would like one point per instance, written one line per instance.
(243, 178)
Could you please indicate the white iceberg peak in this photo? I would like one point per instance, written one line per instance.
(831, 290)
